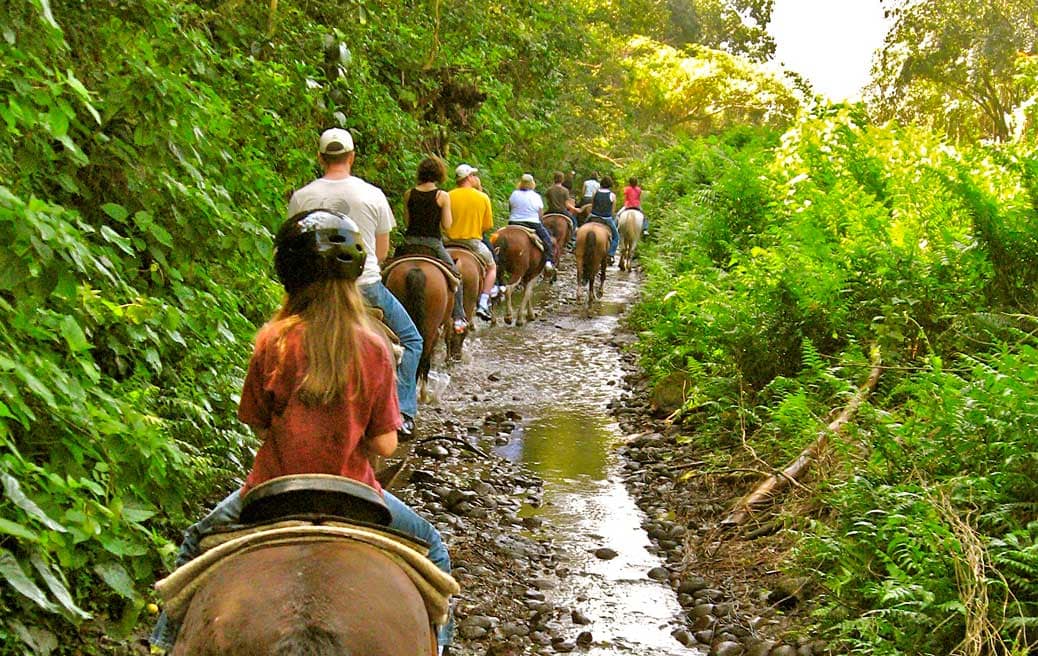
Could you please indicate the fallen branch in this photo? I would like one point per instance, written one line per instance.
(776, 482)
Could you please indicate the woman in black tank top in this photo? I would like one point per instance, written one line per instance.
(427, 209)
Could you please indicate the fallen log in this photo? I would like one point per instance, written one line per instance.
(776, 482)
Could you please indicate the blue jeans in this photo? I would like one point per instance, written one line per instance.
(399, 322)
(615, 240)
(228, 511)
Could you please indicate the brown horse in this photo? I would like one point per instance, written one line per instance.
(592, 246)
(317, 598)
(561, 230)
(472, 282)
(519, 263)
(424, 290)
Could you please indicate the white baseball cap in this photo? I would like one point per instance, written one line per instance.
(335, 141)
(463, 171)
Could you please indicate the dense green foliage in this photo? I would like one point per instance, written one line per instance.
(780, 264)
(147, 151)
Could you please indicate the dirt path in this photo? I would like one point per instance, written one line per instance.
(547, 543)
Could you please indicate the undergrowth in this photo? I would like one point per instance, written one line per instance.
(777, 263)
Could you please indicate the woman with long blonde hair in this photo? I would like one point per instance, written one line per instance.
(320, 391)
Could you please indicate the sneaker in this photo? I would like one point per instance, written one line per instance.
(549, 267)
(406, 430)
(495, 291)
(645, 233)
(460, 326)
(483, 312)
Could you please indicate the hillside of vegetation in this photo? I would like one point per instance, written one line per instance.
(785, 267)
(148, 148)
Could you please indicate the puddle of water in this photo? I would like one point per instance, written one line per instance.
(572, 452)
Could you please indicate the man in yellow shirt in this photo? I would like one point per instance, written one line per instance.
(472, 216)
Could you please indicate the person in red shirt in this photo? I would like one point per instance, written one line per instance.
(320, 391)
(633, 201)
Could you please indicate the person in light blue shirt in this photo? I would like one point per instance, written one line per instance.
(525, 208)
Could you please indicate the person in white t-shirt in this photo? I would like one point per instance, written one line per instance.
(525, 208)
(341, 191)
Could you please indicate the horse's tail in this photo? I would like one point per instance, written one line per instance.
(414, 303)
(588, 263)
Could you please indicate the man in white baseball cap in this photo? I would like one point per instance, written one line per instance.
(365, 203)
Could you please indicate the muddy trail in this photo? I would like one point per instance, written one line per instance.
(517, 464)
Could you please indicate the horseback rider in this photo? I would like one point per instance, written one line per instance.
(348, 194)
(472, 216)
(602, 204)
(633, 201)
(427, 210)
(319, 392)
(526, 209)
(590, 187)
(560, 202)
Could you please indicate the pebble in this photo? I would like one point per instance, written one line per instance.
(584, 638)
(605, 553)
(727, 648)
(565, 647)
(684, 637)
(579, 617)
(784, 650)
(659, 574)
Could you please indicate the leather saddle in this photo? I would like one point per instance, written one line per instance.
(452, 280)
(465, 247)
(313, 496)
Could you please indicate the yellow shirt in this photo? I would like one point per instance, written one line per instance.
(471, 215)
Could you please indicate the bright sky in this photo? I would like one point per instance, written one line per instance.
(829, 42)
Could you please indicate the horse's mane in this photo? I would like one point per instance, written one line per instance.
(309, 640)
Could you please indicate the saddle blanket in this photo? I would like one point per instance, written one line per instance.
(476, 254)
(435, 586)
(452, 280)
(538, 244)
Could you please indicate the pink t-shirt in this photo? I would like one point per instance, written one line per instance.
(315, 440)
(632, 196)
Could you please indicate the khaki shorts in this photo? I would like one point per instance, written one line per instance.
(478, 248)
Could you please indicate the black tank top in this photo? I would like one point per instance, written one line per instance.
(424, 214)
(601, 204)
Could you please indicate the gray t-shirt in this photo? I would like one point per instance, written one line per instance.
(363, 202)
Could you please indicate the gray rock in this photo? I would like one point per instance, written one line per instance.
(727, 648)
(759, 647)
(684, 637)
(701, 610)
(784, 650)
(692, 585)
(480, 621)
(605, 553)
(706, 636)
(579, 617)
(584, 638)
(659, 574)
(704, 622)
(471, 631)
(565, 647)
(509, 629)
(543, 583)
(709, 593)
(540, 638)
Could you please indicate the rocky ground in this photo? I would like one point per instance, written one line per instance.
(734, 599)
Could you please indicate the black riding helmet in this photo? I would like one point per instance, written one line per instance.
(317, 245)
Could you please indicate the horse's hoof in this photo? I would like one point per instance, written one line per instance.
(508, 320)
